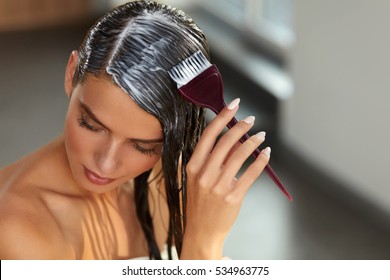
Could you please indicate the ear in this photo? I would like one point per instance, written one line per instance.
(69, 73)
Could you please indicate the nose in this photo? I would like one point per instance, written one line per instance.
(107, 157)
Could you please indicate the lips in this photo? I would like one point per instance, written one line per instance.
(96, 179)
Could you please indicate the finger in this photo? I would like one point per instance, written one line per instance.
(251, 174)
(227, 142)
(235, 147)
(211, 132)
(239, 156)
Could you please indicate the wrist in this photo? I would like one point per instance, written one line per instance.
(201, 249)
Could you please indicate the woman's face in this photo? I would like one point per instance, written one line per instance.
(109, 139)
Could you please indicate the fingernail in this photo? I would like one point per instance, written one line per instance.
(267, 151)
(249, 120)
(261, 135)
(232, 105)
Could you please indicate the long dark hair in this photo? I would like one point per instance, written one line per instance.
(134, 45)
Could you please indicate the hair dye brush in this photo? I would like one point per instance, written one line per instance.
(200, 82)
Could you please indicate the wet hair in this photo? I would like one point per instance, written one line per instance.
(134, 45)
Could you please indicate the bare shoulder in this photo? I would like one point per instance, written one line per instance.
(27, 229)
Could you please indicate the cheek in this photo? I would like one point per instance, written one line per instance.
(75, 138)
(138, 163)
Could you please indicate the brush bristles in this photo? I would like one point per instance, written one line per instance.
(189, 68)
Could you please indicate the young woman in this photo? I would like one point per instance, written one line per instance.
(135, 172)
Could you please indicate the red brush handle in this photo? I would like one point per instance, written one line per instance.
(206, 90)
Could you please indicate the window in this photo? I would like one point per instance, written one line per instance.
(265, 22)
(272, 19)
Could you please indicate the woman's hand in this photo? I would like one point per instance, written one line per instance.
(214, 193)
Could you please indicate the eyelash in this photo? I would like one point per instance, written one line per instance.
(84, 123)
(148, 152)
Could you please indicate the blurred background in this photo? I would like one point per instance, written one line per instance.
(315, 75)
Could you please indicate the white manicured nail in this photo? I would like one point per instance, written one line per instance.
(249, 120)
(234, 104)
(267, 151)
(261, 135)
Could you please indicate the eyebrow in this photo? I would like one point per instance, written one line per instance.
(88, 110)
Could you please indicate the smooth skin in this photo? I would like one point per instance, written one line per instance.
(50, 208)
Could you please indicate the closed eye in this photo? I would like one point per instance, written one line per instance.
(143, 150)
(84, 123)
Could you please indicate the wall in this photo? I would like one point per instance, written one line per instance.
(338, 118)
(26, 14)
